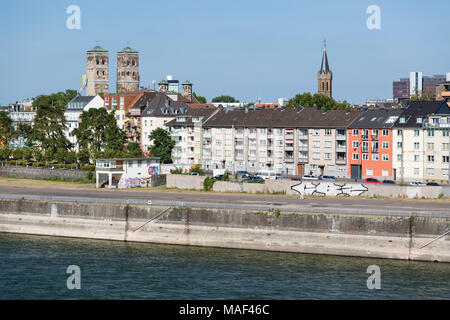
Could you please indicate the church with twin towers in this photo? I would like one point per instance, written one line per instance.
(97, 71)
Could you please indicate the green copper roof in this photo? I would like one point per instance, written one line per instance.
(187, 82)
(128, 50)
(97, 49)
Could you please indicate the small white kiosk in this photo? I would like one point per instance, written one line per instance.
(126, 172)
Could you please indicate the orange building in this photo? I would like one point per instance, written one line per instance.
(369, 147)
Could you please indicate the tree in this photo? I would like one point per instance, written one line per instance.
(162, 145)
(98, 133)
(133, 150)
(427, 95)
(200, 99)
(47, 132)
(227, 99)
(320, 100)
(6, 129)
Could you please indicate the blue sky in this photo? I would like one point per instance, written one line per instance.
(249, 48)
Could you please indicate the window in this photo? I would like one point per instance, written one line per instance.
(375, 132)
(316, 132)
(263, 154)
(445, 172)
(316, 144)
(430, 132)
(385, 133)
(416, 158)
(399, 145)
(430, 172)
(430, 146)
(106, 101)
(399, 132)
(445, 132)
(385, 173)
(365, 156)
(369, 172)
(385, 157)
(114, 101)
(375, 146)
(122, 102)
(219, 153)
(399, 157)
(365, 146)
(316, 155)
(355, 144)
(365, 132)
(375, 157)
(430, 158)
(416, 133)
(279, 131)
(416, 145)
(385, 145)
(218, 130)
(445, 159)
(416, 171)
(262, 130)
(419, 120)
(327, 144)
(279, 143)
(355, 132)
(228, 130)
(355, 156)
(445, 146)
(228, 142)
(402, 120)
(218, 142)
(262, 142)
(328, 132)
(327, 156)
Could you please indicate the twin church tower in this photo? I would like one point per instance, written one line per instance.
(97, 71)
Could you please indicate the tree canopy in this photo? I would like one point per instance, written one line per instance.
(223, 98)
(6, 129)
(200, 99)
(320, 100)
(162, 145)
(427, 95)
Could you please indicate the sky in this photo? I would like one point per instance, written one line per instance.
(249, 49)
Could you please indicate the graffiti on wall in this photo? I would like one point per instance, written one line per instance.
(132, 182)
(329, 189)
(153, 170)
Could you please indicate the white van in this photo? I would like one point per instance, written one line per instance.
(267, 175)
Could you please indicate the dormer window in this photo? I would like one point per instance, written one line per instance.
(402, 120)
(419, 120)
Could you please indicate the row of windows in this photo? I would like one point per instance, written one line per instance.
(365, 145)
(365, 132)
(375, 157)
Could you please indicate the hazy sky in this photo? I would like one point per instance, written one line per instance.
(249, 48)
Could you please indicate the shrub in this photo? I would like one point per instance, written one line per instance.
(226, 176)
(176, 171)
(208, 184)
(90, 175)
(88, 167)
(197, 168)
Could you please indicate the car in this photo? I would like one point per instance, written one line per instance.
(388, 182)
(433, 184)
(267, 175)
(195, 174)
(255, 179)
(328, 178)
(243, 174)
(218, 177)
(309, 177)
(417, 183)
(371, 180)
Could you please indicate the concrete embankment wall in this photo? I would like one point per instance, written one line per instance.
(284, 186)
(397, 237)
(41, 173)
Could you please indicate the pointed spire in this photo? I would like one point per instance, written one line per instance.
(324, 68)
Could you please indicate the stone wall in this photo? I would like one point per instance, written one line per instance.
(377, 236)
(41, 173)
(180, 181)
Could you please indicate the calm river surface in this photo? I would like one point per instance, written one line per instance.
(34, 267)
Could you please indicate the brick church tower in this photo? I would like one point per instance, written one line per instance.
(97, 71)
(127, 70)
(325, 76)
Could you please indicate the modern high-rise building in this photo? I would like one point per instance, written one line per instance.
(97, 71)
(325, 76)
(417, 83)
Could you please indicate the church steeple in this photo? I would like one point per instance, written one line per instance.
(325, 76)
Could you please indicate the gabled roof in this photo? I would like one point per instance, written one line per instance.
(421, 109)
(162, 106)
(79, 102)
(283, 118)
(204, 112)
(376, 119)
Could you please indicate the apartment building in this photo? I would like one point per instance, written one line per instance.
(187, 132)
(370, 144)
(421, 142)
(288, 141)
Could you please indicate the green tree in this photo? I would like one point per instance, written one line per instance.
(98, 133)
(133, 150)
(162, 145)
(6, 129)
(200, 99)
(27, 153)
(224, 98)
(320, 100)
(61, 155)
(49, 123)
(426, 95)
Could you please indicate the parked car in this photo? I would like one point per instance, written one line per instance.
(388, 182)
(371, 180)
(417, 183)
(433, 184)
(218, 177)
(309, 177)
(195, 174)
(328, 178)
(254, 179)
(266, 175)
(243, 174)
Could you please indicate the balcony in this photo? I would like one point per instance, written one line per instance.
(289, 136)
(341, 161)
(239, 147)
(303, 159)
(365, 137)
(303, 148)
(289, 160)
(288, 148)
(375, 137)
(436, 125)
(341, 148)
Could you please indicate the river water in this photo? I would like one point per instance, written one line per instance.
(34, 267)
